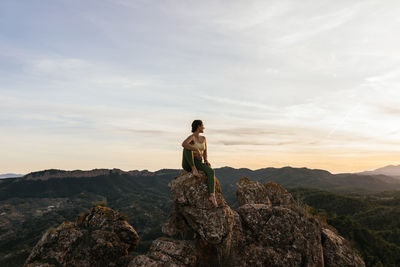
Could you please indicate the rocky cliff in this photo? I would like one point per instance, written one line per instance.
(268, 229)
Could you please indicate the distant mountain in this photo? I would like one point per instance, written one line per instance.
(114, 184)
(10, 175)
(290, 177)
(56, 173)
(390, 170)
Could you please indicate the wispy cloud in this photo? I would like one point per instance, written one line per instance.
(276, 83)
(252, 143)
(240, 131)
(321, 23)
(228, 100)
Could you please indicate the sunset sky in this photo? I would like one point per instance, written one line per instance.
(117, 83)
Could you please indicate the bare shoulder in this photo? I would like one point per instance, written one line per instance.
(189, 139)
(204, 139)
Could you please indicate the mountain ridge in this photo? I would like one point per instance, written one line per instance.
(287, 176)
(10, 175)
(389, 170)
(58, 173)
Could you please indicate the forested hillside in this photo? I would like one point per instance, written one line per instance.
(369, 218)
(370, 222)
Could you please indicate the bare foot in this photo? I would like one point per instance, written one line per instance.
(213, 200)
(195, 173)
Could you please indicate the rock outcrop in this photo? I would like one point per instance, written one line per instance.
(337, 250)
(270, 193)
(215, 229)
(101, 237)
(268, 229)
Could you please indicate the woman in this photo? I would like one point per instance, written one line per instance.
(194, 149)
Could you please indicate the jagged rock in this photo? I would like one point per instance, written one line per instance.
(191, 203)
(39, 264)
(269, 193)
(192, 191)
(287, 237)
(194, 217)
(145, 261)
(251, 192)
(102, 220)
(268, 229)
(177, 227)
(278, 195)
(168, 252)
(337, 250)
(97, 238)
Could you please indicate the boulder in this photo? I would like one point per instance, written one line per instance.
(278, 195)
(251, 192)
(194, 217)
(337, 250)
(269, 193)
(285, 236)
(97, 238)
(168, 252)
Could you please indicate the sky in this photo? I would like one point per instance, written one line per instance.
(117, 83)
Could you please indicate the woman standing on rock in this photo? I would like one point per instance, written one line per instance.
(194, 150)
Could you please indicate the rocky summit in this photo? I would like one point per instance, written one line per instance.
(268, 229)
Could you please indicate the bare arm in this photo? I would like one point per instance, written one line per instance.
(186, 143)
(205, 150)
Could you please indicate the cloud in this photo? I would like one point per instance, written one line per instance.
(143, 131)
(59, 64)
(262, 131)
(320, 23)
(302, 81)
(227, 100)
(388, 110)
(252, 143)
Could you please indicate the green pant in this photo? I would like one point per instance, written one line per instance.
(188, 160)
